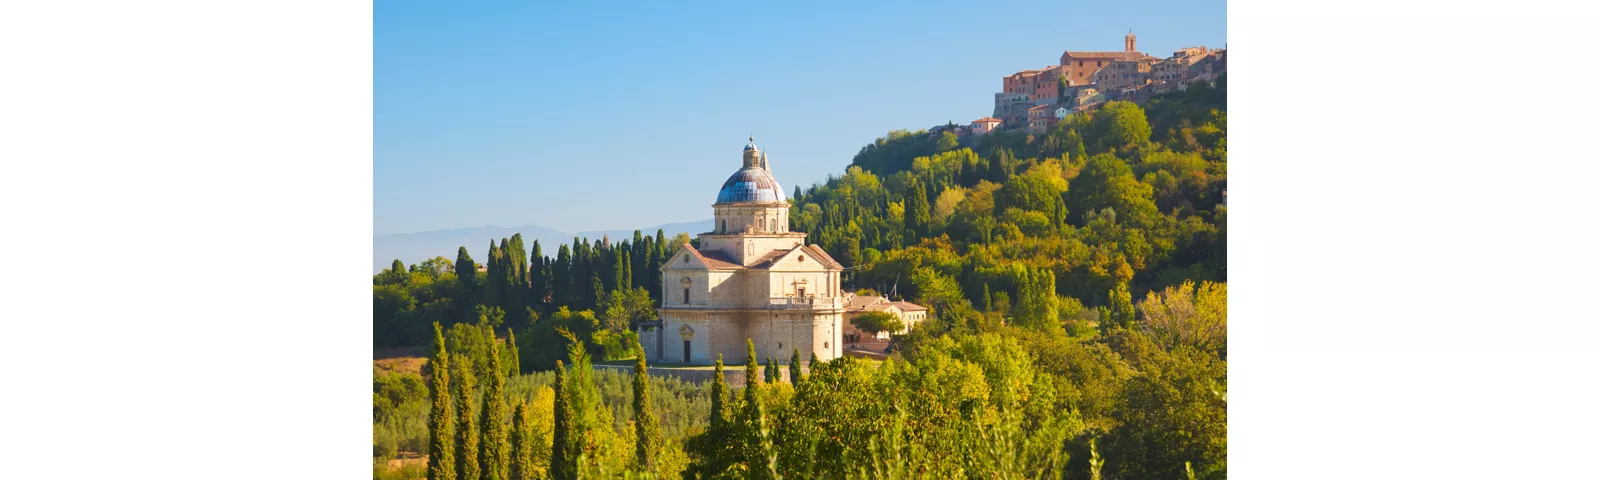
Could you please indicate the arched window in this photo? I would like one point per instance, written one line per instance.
(724, 226)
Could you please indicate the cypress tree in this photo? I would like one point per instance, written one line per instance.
(493, 291)
(561, 278)
(917, 215)
(624, 270)
(750, 419)
(561, 467)
(522, 443)
(719, 398)
(647, 430)
(750, 378)
(599, 290)
(652, 280)
(441, 426)
(582, 266)
(638, 258)
(583, 403)
(493, 454)
(1121, 304)
(466, 422)
(466, 269)
(769, 373)
(813, 363)
(794, 368)
(538, 278)
(519, 262)
(513, 357)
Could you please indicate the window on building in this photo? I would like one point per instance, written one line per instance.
(800, 292)
(685, 295)
(724, 226)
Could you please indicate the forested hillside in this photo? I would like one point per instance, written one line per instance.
(1078, 328)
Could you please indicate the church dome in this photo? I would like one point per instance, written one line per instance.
(750, 185)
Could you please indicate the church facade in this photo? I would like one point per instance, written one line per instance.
(751, 278)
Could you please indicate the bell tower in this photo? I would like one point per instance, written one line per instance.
(1127, 42)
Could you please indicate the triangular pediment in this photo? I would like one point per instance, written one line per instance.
(797, 258)
(688, 258)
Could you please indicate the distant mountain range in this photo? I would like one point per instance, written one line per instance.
(415, 247)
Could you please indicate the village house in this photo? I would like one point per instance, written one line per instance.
(1171, 69)
(985, 125)
(909, 313)
(1040, 118)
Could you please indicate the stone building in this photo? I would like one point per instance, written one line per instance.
(1012, 109)
(1122, 75)
(1171, 69)
(1041, 118)
(1208, 68)
(750, 278)
(1080, 67)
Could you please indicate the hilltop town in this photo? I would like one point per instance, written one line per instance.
(1037, 99)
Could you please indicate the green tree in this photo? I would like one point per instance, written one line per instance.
(522, 441)
(513, 361)
(1120, 302)
(1121, 124)
(494, 458)
(466, 421)
(872, 323)
(1036, 300)
(466, 269)
(441, 426)
(794, 368)
(1173, 411)
(598, 288)
(539, 279)
(719, 397)
(917, 216)
(1186, 315)
(562, 441)
(647, 431)
(1107, 182)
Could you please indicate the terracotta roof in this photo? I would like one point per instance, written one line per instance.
(909, 307)
(712, 259)
(823, 255)
(1038, 107)
(987, 120)
(857, 302)
(766, 260)
(1117, 55)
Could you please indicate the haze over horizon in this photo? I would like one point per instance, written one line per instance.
(577, 118)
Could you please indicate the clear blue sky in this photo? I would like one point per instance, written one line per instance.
(578, 117)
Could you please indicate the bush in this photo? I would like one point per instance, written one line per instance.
(384, 445)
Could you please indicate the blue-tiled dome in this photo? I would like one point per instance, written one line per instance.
(750, 185)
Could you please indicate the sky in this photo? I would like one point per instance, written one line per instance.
(590, 115)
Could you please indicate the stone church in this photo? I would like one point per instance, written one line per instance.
(751, 278)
